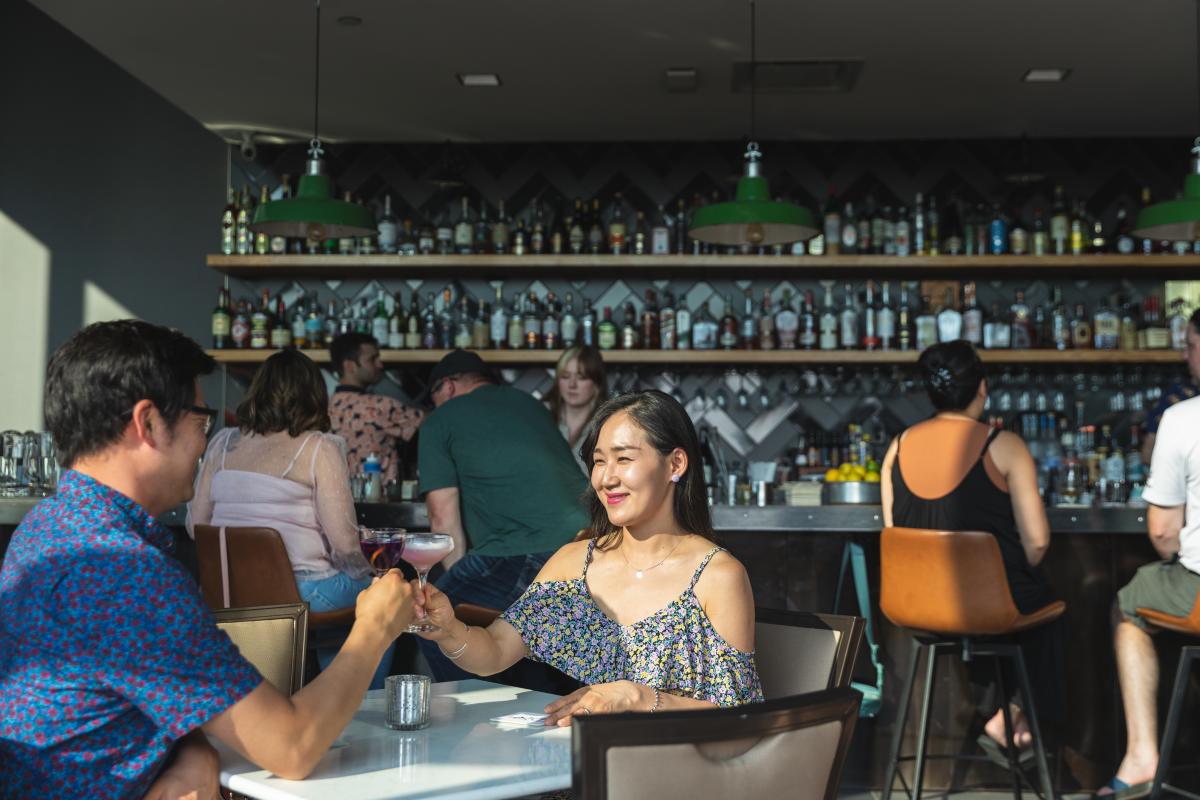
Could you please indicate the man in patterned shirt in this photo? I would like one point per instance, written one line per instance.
(111, 669)
(370, 423)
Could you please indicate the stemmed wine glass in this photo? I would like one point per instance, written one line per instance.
(381, 547)
(423, 550)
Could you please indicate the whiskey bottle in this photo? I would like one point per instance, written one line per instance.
(464, 230)
(245, 213)
(498, 322)
(787, 323)
(1022, 324)
(949, 320)
(387, 227)
(972, 316)
(222, 321)
(569, 327)
(587, 325)
(229, 223)
(262, 242)
(848, 320)
(516, 324)
(281, 332)
(649, 323)
(606, 331)
(660, 234)
(500, 231)
(727, 336)
(629, 331)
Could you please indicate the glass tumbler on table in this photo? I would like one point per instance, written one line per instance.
(423, 550)
(381, 547)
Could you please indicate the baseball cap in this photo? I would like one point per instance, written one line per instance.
(456, 362)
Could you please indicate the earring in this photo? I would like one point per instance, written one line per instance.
(674, 479)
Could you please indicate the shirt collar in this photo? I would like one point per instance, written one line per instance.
(341, 387)
(77, 488)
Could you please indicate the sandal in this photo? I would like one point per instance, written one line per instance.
(1124, 791)
(997, 754)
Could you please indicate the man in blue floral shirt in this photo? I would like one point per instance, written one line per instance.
(111, 668)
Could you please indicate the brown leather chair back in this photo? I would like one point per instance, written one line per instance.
(948, 582)
(272, 638)
(798, 652)
(260, 572)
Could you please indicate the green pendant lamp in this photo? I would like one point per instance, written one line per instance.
(1175, 220)
(314, 213)
(752, 218)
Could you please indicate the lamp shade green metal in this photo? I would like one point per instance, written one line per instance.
(752, 217)
(1175, 220)
(314, 213)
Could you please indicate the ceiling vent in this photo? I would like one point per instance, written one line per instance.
(793, 77)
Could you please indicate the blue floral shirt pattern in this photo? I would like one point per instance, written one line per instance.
(108, 653)
(676, 649)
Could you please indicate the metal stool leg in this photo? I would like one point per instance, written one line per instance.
(1186, 656)
(1010, 749)
(901, 718)
(926, 707)
(1031, 712)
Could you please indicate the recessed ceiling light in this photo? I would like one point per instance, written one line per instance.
(1046, 75)
(478, 79)
(350, 21)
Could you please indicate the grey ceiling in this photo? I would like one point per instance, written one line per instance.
(593, 71)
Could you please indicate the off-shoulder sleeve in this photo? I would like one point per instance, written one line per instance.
(732, 680)
(543, 617)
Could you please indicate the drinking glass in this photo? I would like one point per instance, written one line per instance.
(423, 550)
(381, 547)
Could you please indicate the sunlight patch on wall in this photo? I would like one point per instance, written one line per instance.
(24, 325)
(100, 306)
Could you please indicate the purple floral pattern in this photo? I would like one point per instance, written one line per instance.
(676, 649)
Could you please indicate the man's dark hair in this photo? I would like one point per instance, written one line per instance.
(96, 378)
(287, 394)
(348, 347)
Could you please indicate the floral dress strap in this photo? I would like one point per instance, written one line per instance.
(703, 564)
(587, 561)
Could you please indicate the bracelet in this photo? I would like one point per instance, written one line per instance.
(458, 653)
(657, 699)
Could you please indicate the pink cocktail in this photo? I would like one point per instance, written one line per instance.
(423, 550)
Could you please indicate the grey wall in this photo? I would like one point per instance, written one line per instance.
(123, 188)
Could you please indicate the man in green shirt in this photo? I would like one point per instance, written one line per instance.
(498, 477)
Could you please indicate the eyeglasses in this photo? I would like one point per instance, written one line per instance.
(209, 414)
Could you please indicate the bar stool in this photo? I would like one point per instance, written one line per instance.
(1189, 625)
(949, 588)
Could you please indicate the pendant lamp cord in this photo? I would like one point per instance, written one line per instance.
(315, 144)
(753, 73)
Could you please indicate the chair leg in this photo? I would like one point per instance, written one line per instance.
(901, 717)
(1182, 673)
(1010, 749)
(926, 707)
(1039, 748)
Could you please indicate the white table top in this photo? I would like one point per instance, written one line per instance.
(460, 756)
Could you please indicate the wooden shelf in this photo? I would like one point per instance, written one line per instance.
(743, 357)
(393, 266)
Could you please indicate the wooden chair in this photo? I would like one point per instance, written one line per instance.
(251, 568)
(1188, 656)
(798, 652)
(793, 747)
(272, 638)
(949, 588)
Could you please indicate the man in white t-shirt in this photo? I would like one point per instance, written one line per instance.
(1170, 586)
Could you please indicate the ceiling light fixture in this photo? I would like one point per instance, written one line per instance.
(1046, 75)
(1177, 220)
(752, 218)
(314, 213)
(474, 79)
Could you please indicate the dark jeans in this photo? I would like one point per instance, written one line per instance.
(494, 582)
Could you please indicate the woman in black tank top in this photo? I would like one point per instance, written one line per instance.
(955, 381)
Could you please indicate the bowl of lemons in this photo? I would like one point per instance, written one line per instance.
(852, 484)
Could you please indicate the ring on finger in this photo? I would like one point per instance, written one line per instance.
(587, 711)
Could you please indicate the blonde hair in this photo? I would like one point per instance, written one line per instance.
(591, 364)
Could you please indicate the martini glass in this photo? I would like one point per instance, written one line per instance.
(381, 547)
(423, 550)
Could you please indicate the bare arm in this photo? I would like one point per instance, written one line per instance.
(1148, 447)
(193, 771)
(335, 506)
(1016, 464)
(445, 516)
(288, 736)
(1165, 523)
(885, 481)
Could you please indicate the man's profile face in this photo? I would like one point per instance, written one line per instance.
(182, 449)
(368, 368)
(1192, 353)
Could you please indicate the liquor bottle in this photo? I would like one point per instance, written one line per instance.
(972, 316)
(516, 324)
(925, 325)
(828, 339)
(406, 239)
(1099, 242)
(380, 321)
(587, 325)
(532, 326)
(848, 320)
(629, 332)
(537, 232)
(748, 329)
(680, 232)
(1123, 241)
(426, 237)
(229, 223)
(1018, 235)
(498, 322)
(239, 329)
(650, 339)
(952, 230)
(727, 333)
(245, 213)
(704, 329)
(1106, 327)
(997, 232)
(1041, 239)
(878, 226)
(222, 321)
(464, 230)
(1078, 225)
(766, 324)
(904, 321)
(660, 234)
(480, 327)
(870, 336)
(397, 325)
(447, 325)
(314, 324)
(849, 232)
(444, 233)
(576, 235)
(281, 332)
(885, 320)
(920, 246)
(569, 327)
(262, 243)
(889, 232)
(863, 239)
(1178, 325)
(903, 243)
(278, 245)
(833, 224)
(1081, 329)
(595, 233)
(683, 324)
(606, 331)
(551, 324)
(949, 320)
(1060, 322)
(805, 334)
(520, 238)
(997, 334)
(933, 229)
(500, 230)
(667, 336)
(299, 332)
(1060, 224)
(481, 239)
(1021, 323)
(617, 219)
(1129, 327)
(387, 227)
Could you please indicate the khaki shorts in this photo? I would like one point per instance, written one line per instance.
(1165, 586)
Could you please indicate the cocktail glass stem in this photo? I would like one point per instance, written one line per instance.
(422, 625)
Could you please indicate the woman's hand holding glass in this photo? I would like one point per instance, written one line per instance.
(433, 606)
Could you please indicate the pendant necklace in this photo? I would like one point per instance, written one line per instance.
(638, 573)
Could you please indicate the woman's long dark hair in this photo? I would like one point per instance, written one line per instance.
(287, 394)
(667, 427)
